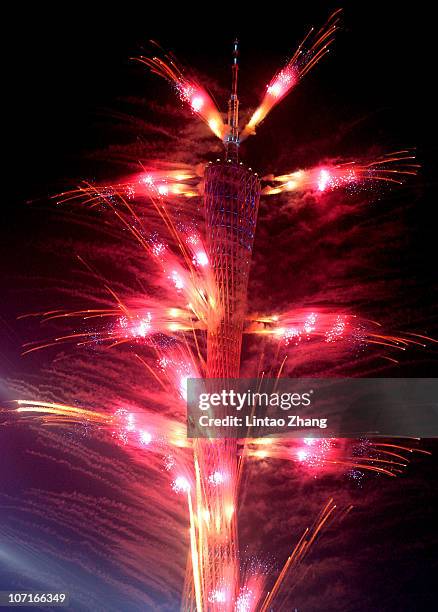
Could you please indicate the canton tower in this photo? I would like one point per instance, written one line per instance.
(231, 199)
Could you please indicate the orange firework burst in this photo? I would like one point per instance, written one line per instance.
(310, 51)
(391, 168)
(190, 92)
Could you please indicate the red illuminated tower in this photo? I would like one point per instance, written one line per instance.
(231, 198)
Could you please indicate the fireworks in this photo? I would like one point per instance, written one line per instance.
(181, 485)
(322, 327)
(171, 325)
(386, 170)
(392, 168)
(310, 51)
(189, 91)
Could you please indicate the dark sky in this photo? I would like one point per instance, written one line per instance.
(70, 86)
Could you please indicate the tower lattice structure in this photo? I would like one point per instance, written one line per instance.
(231, 200)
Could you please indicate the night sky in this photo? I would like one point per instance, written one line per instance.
(76, 510)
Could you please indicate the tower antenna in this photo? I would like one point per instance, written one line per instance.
(232, 139)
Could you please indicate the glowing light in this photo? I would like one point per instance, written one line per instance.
(318, 452)
(216, 478)
(197, 103)
(139, 327)
(214, 126)
(181, 485)
(337, 331)
(163, 190)
(145, 437)
(309, 441)
(217, 596)
(281, 83)
(229, 511)
(243, 601)
(309, 325)
(323, 180)
(302, 455)
(275, 89)
(183, 387)
(148, 180)
(130, 425)
(177, 280)
(144, 327)
(291, 185)
(201, 258)
(291, 334)
(158, 249)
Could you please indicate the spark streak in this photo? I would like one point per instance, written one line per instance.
(391, 168)
(190, 92)
(310, 51)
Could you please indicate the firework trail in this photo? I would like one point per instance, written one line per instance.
(189, 91)
(310, 51)
(391, 168)
(170, 335)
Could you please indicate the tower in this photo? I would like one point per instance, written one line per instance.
(231, 200)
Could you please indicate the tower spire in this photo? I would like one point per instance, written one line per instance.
(232, 140)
